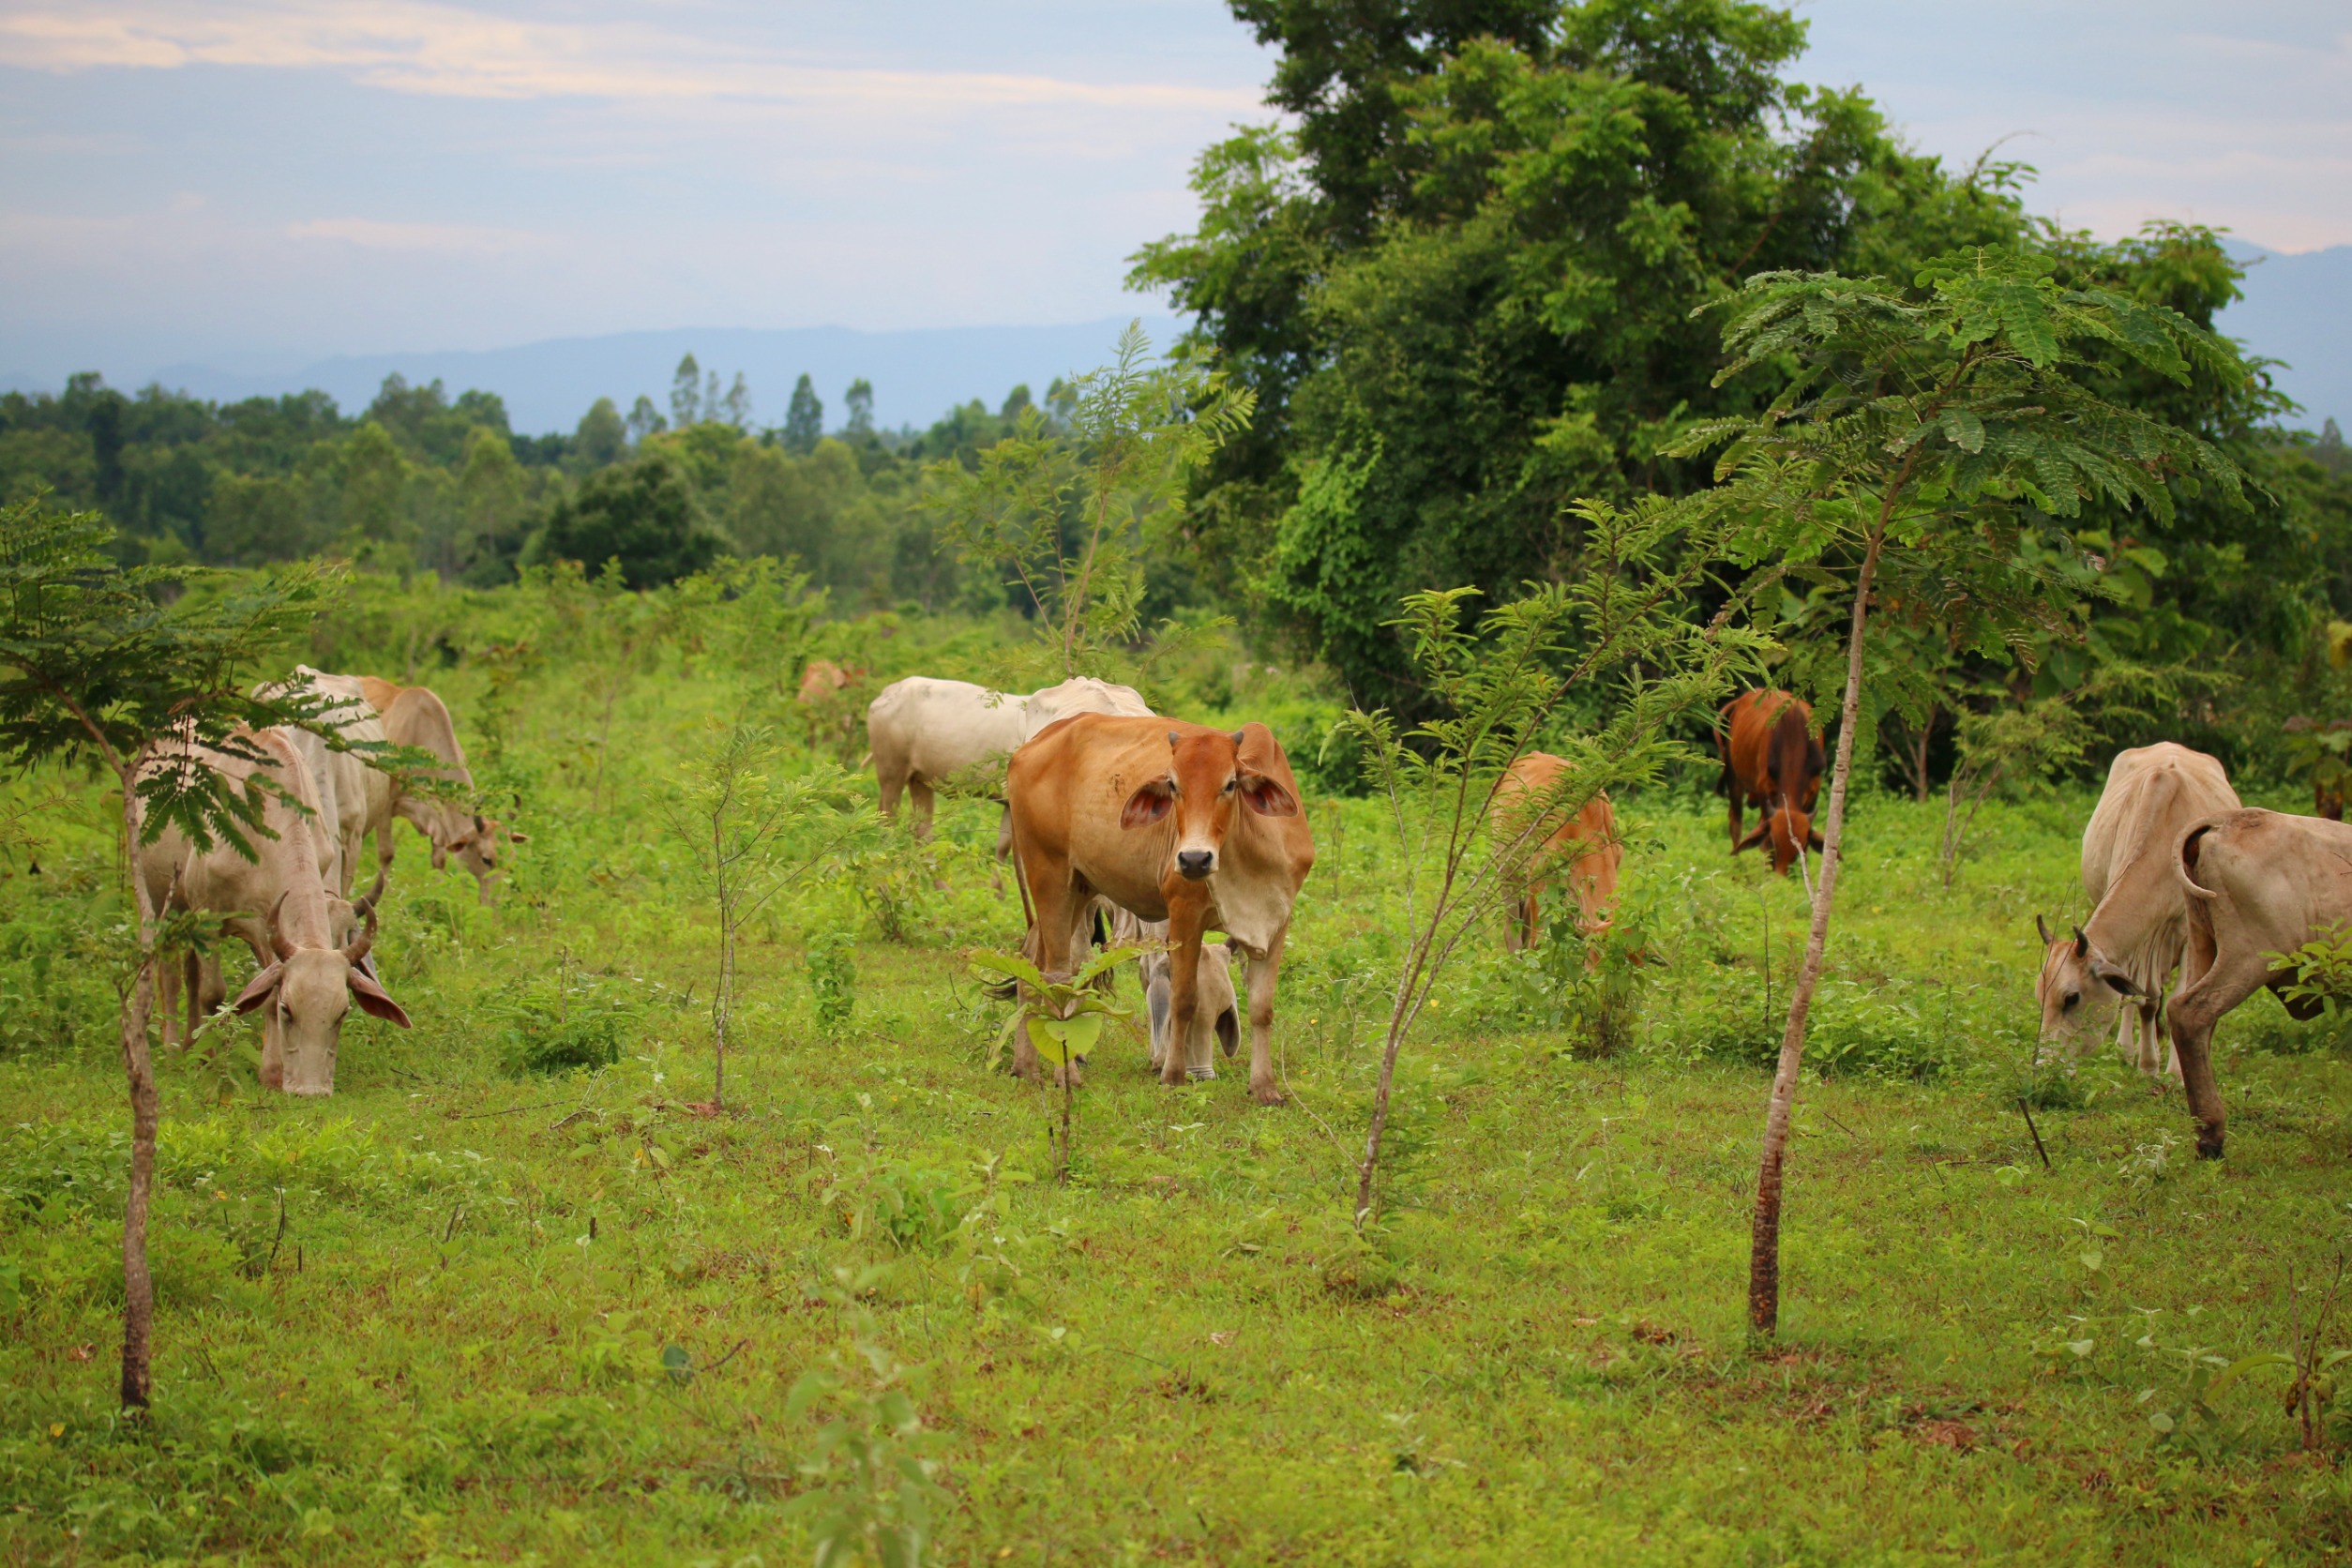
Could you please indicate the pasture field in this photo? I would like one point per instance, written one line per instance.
(482, 1306)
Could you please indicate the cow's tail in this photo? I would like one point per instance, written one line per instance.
(2192, 849)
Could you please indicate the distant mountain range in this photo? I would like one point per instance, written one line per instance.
(2298, 309)
(917, 376)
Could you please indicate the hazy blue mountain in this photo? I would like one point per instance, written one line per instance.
(2299, 309)
(917, 375)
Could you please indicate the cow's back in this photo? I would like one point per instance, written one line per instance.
(2154, 794)
(931, 728)
(418, 717)
(2276, 878)
(1081, 694)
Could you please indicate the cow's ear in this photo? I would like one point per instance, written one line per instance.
(1812, 840)
(373, 1000)
(1266, 781)
(1268, 798)
(258, 988)
(514, 837)
(1756, 835)
(1148, 804)
(2118, 982)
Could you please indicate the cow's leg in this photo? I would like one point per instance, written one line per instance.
(212, 990)
(1048, 943)
(1183, 988)
(1263, 971)
(166, 998)
(1737, 816)
(920, 793)
(1155, 1004)
(2228, 981)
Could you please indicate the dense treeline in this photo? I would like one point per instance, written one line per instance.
(422, 481)
(1470, 282)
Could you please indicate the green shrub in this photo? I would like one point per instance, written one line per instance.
(832, 981)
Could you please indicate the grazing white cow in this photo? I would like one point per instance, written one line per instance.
(2138, 923)
(2255, 883)
(280, 906)
(354, 799)
(415, 717)
(921, 730)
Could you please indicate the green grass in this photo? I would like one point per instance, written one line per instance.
(455, 1347)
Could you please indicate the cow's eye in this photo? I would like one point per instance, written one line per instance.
(2072, 998)
(1230, 784)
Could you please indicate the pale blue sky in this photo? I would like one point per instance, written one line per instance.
(264, 181)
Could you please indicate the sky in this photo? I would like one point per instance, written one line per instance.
(251, 183)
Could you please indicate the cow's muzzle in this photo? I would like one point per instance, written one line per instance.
(1195, 863)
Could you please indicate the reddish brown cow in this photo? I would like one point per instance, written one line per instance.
(1586, 845)
(1771, 759)
(1174, 821)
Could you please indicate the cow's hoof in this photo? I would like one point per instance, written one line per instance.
(1197, 1073)
(2208, 1144)
(1267, 1095)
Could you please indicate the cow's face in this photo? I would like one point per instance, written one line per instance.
(1209, 777)
(308, 991)
(482, 851)
(1787, 824)
(2078, 989)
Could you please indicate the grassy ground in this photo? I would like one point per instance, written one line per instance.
(514, 1314)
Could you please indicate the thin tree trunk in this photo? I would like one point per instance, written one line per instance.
(1398, 1013)
(139, 1069)
(1764, 1242)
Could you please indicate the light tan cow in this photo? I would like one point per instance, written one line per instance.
(355, 799)
(1584, 846)
(308, 979)
(2138, 923)
(2255, 883)
(1216, 1019)
(922, 730)
(416, 716)
(825, 701)
(1181, 822)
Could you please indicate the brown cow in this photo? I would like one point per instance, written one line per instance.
(1586, 843)
(1181, 822)
(2256, 884)
(1771, 759)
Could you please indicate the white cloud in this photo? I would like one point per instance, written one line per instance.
(456, 239)
(411, 46)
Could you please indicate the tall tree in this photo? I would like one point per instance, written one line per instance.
(735, 408)
(804, 420)
(1462, 285)
(601, 439)
(685, 393)
(644, 515)
(91, 668)
(644, 420)
(1928, 450)
(859, 401)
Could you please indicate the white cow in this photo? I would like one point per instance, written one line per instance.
(2138, 924)
(354, 799)
(279, 904)
(921, 730)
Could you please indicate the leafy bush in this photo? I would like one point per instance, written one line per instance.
(832, 980)
(572, 1022)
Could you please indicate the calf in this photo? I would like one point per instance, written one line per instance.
(416, 716)
(1181, 822)
(1771, 759)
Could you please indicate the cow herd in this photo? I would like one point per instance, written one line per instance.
(292, 903)
(1126, 825)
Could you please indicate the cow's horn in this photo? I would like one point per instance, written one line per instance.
(364, 939)
(2082, 943)
(1172, 737)
(277, 943)
(2043, 927)
(367, 903)
(478, 822)
(1237, 737)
